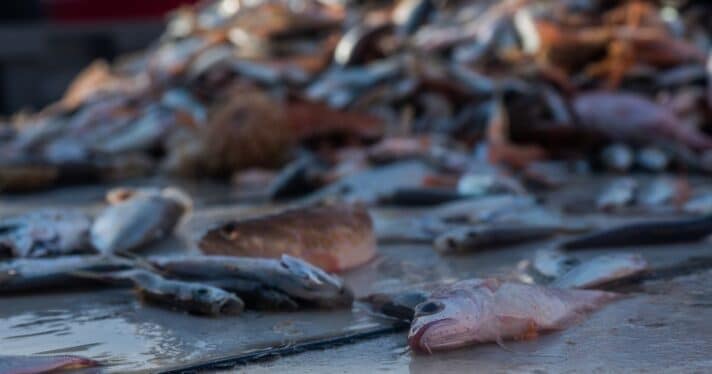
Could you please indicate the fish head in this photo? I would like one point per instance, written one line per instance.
(449, 319)
(221, 301)
(311, 283)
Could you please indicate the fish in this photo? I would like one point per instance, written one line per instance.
(645, 233)
(43, 364)
(192, 297)
(486, 310)
(335, 237)
(701, 204)
(603, 270)
(400, 306)
(617, 157)
(372, 186)
(306, 284)
(481, 209)
(553, 263)
(138, 220)
(659, 192)
(41, 274)
(626, 116)
(422, 196)
(45, 233)
(652, 159)
(619, 193)
(471, 239)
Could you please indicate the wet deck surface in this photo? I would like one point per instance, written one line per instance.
(663, 325)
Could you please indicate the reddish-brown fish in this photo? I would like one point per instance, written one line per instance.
(334, 237)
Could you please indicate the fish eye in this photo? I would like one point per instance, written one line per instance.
(430, 307)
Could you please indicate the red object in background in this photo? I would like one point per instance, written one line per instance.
(103, 10)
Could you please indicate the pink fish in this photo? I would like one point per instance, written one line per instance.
(487, 310)
(43, 364)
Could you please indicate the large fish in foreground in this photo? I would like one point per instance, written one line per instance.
(487, 310)
(334, 237)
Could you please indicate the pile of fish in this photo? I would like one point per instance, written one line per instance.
(238, 88)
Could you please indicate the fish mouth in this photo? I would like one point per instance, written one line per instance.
(418, 341)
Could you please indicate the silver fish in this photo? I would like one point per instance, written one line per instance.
(470, 239)
(41, 274)
(701, 204)
(45, 233)
(659, 192)
(617, 157)
(619, 193)
(602, 270)
(487, 310)
(192, 297)
(139, 220)
(43, 364)
(553, 263)
(297, 279)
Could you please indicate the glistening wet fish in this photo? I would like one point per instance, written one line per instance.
(42, 274)
(138, 220)
(299, 280)
(646, 233)
(43, 364)
(192, 297)
(45, 233)
(335, 237)
(552, 263)
(487, 310)
(471, 239)
(603, 270)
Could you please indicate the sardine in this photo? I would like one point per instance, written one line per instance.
(646, 233)
(617, 194)
(139, 220)
(486, 310)
(43, 364)
(299, 280)
(603, 270)
(701, 204)
(482, 209)
(45, 233)
(192, 297)
(471, 239)
(56, 273)
(335, 237)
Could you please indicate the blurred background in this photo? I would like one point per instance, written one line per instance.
(45, 43)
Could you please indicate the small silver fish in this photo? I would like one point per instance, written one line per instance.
(487, 310)
(553, 263)
(291, 276)
(602, 270)
(138, 220)
(658, 193)
(701, 204)
(193, 297)
(45, 233)
(617, 157)
(619, 193)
